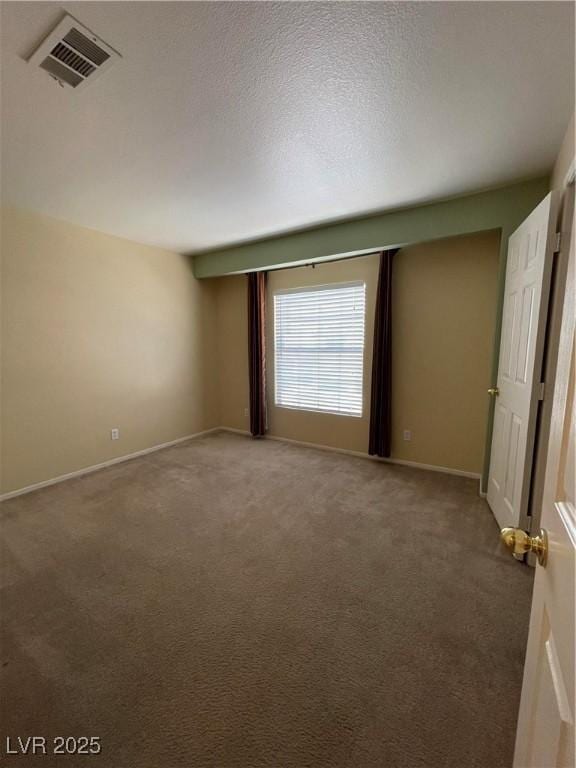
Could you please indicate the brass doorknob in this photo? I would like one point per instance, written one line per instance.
(494, 391)
(519, 542)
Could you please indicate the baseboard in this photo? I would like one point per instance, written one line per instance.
(245, 432)
(433, 468)
(234, 431)
(103, 465)
(360, 455)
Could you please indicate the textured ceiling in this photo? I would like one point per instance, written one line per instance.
(230, 121)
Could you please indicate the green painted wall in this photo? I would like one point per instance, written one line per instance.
(499, 209)
(502, 209)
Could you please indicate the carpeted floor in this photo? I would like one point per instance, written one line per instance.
(230, 603)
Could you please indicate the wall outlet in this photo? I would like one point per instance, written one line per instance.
(115, 434)
(407, 434)
(246, 412)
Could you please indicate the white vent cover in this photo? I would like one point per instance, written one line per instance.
(73, 55)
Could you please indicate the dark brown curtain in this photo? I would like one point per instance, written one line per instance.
(381, 399)
(257, 351)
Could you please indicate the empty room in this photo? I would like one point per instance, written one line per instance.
(287, 408)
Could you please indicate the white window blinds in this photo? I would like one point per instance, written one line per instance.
(319, 348)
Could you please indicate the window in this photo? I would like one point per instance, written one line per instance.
(319, 348)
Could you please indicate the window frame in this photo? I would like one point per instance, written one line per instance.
(316, 289)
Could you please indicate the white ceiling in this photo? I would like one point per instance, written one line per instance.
(228, 121)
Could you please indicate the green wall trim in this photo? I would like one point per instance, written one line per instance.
(502, 209)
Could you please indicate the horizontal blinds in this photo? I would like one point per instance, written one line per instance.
(319, 348)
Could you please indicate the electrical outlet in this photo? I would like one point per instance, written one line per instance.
(407, 435)
(246, 412)
(115, 434)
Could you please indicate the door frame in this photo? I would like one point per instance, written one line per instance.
(565, 226)
(557, 445)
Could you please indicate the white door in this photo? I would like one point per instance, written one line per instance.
(527, 289)
(545, 735)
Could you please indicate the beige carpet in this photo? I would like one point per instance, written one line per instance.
(230, 603)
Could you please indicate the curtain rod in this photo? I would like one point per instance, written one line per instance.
(313, 264)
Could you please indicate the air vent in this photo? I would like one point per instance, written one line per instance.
(73, 55)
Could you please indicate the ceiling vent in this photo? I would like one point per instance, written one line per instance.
(73, 55)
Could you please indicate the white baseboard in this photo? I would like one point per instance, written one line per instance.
(234, 431)
(360, 455)
(433, 468)
(102, 465)
(245, 432)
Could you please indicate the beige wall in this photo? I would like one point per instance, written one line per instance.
(444, 318)
(97, 332)
(232, 351)
(444, 315)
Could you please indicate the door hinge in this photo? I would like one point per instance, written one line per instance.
(558, 242)
(541, 390)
